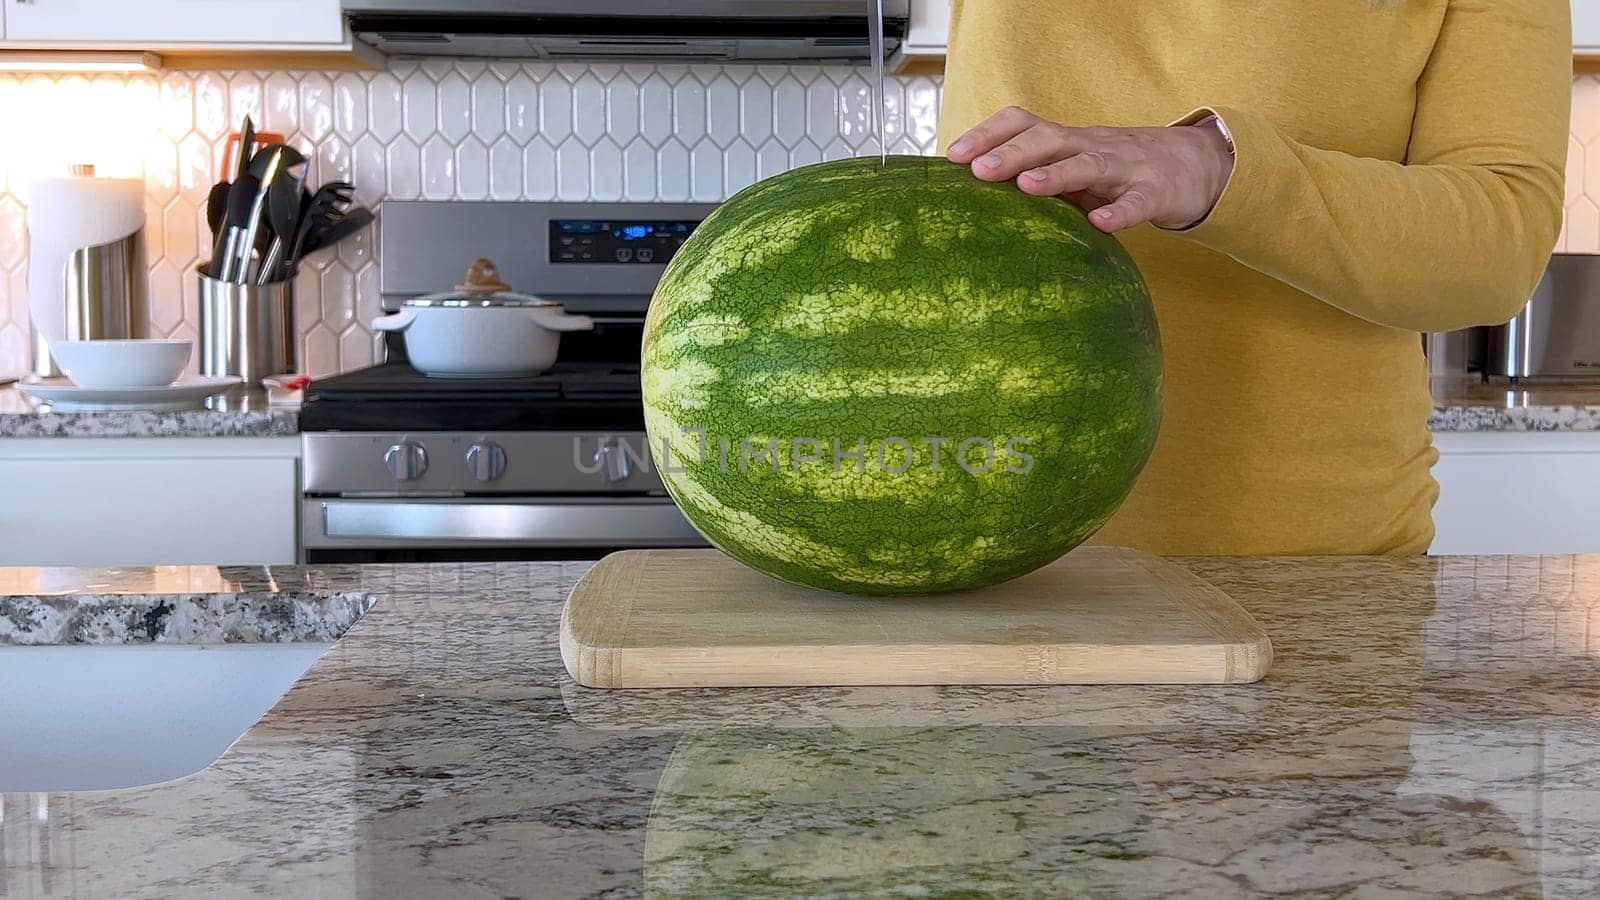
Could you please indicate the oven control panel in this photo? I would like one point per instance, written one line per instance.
(616, 241)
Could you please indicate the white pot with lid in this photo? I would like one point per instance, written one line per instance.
(482, 329)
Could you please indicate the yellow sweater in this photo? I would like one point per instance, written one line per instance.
(1399, 169)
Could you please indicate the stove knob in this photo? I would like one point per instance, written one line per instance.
(486, 460)
(406, 460)
(613, 461)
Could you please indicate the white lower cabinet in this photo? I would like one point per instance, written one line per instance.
(1517, 492)
(148, 501)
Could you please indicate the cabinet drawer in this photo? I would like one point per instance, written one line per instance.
(143, 512)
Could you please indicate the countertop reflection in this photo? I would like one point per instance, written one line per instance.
(1429, 725)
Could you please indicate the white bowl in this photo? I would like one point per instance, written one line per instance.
(119, 364)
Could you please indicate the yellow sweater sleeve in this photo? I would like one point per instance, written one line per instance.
(1460, 232)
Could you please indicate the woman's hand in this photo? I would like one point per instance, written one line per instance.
(1170, 177)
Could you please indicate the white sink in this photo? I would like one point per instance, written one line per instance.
(77, 717)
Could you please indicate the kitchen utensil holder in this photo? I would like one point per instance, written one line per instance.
(246, 329)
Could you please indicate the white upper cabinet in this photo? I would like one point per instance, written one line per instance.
(1586, 27)
(154, 24)
(928, 33)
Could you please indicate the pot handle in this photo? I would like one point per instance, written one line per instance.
(556, 320)
(396, 321)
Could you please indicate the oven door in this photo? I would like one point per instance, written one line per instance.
(413, 529)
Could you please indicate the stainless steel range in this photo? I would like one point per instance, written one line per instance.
(399, 466)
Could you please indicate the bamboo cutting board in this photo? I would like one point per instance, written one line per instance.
(1099, 615)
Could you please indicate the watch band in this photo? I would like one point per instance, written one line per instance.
(1216, 122)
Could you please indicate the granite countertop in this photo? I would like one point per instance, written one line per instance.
(174, 605)
(1466, 403)
(1461, 403)
(1430, 726)
(238, 413)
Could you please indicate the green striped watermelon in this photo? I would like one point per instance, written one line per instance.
(897, 379)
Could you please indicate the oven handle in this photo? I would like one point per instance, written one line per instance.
(455, 523)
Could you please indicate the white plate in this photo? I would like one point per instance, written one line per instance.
(185, 393)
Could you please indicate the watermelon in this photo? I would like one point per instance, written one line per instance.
(893, 378)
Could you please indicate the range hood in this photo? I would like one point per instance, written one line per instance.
(643, 30)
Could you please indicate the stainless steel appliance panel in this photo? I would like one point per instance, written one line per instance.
(463, 463)
(422, 523)
(1557, 335)
(423, 244)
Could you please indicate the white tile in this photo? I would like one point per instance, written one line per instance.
(822, 112)
(772, 158)
(605, 171)
(404, 167)
(1574, 179)
(622, 109)
(505, 171)
(211, 105)
(539, 170)
(189, 289)
(705, 172)
(588, 109)
(639, 171)
(161, 168)
(355, 348)
(13, 232)
(789, 111)
(839, 149)
(321, 352)
(367, 169)
(1586, 108)
(472, 170)
(155, 243)
(1591, 172)
(755, 111)
(555, 109)
(331, 161)
(672, 172)
(1583, 227)
(738, 168)
(13, 348)
(922, 111)
(856, 114)
(572, 171)
(280, 104)
(197, 167)
(349, 106)
(385, 106)
(688, 110)
(316, 105)
(804, 154)
(244, 99)
(419, 101)
(176, 104)
(178, 231)
(522, 107)
(307, 299)
(488, 107)
(455, 107)
(338, 297)
(438, 169)
(722, 110)
(355, 251)
(369, 303)
(165, 297)
(655, 110)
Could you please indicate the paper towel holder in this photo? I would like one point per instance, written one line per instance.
(105, 289)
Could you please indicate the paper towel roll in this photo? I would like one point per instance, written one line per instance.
(64, 215)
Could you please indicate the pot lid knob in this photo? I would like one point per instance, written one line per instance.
(483, 277)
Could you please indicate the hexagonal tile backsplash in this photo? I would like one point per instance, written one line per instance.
(470, 130)
(436, 130)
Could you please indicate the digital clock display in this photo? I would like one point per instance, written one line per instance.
(609, 241)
